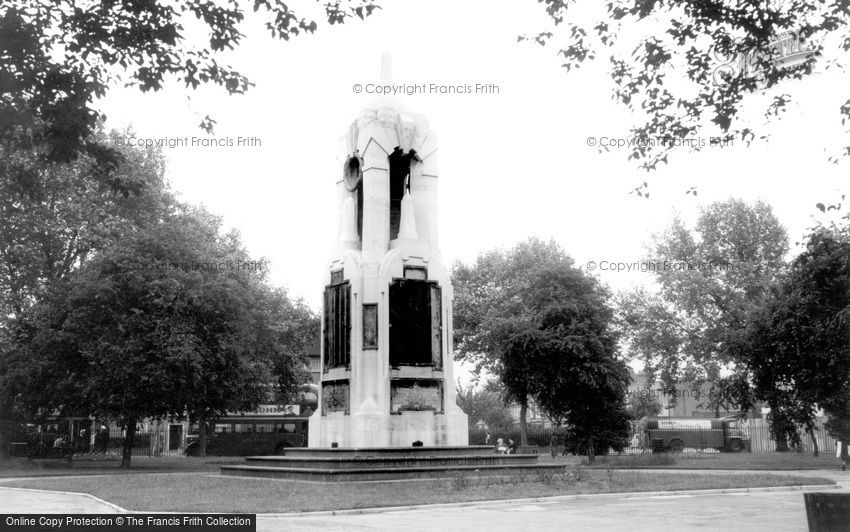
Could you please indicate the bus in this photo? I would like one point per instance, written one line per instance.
(667, 434)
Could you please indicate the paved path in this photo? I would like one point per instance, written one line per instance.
(773, 511)
(734, 512)
(22, 501)
(781, 511)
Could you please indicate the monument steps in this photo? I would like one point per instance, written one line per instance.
(354, 452)
(391, 463)
(388, 473)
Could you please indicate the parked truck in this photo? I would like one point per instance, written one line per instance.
(667, 434)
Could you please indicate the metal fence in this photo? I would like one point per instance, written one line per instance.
(108, 442)
(150, 439)
(755, 436)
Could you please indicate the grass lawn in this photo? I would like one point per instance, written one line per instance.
(206, 492)
(745, 461)
(20, 467)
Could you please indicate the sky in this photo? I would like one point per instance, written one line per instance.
(513, 164)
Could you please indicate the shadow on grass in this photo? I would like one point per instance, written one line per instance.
(634, 460)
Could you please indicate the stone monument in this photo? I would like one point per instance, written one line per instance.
(386, 375)
(387, 405)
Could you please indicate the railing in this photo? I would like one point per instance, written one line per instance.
(754, 437)
(105, 443)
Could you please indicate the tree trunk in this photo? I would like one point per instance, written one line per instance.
(5, 428)
(202, 435)
(523, 424)
(552, 441)
(591, 452)
(815, 450)
(4, 445)
(129, 437)
(845, 453)
(782, 442)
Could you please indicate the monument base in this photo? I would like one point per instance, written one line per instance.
(398, 430)
(388, 463)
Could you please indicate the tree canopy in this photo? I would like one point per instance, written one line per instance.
(490, 316)
(684, 67)
(62, 214)
(57, 58)
(797, 345)
(59, 215)
(529, 316)
(715, 273)
(578, 378)
(171, 320)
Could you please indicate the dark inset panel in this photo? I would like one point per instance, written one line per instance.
(412, 322)
(337, 325)
(370, 326)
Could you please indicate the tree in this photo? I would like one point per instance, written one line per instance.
(535, 320)
(798, 345)
(773, 374)
(710, 277)
(163, 323)
(250, 348)
(57, 58)
(572, 351)
(490, 311)
(485, 403)
(684, 67)
(59, 216)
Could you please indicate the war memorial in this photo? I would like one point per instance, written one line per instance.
(387, 405)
